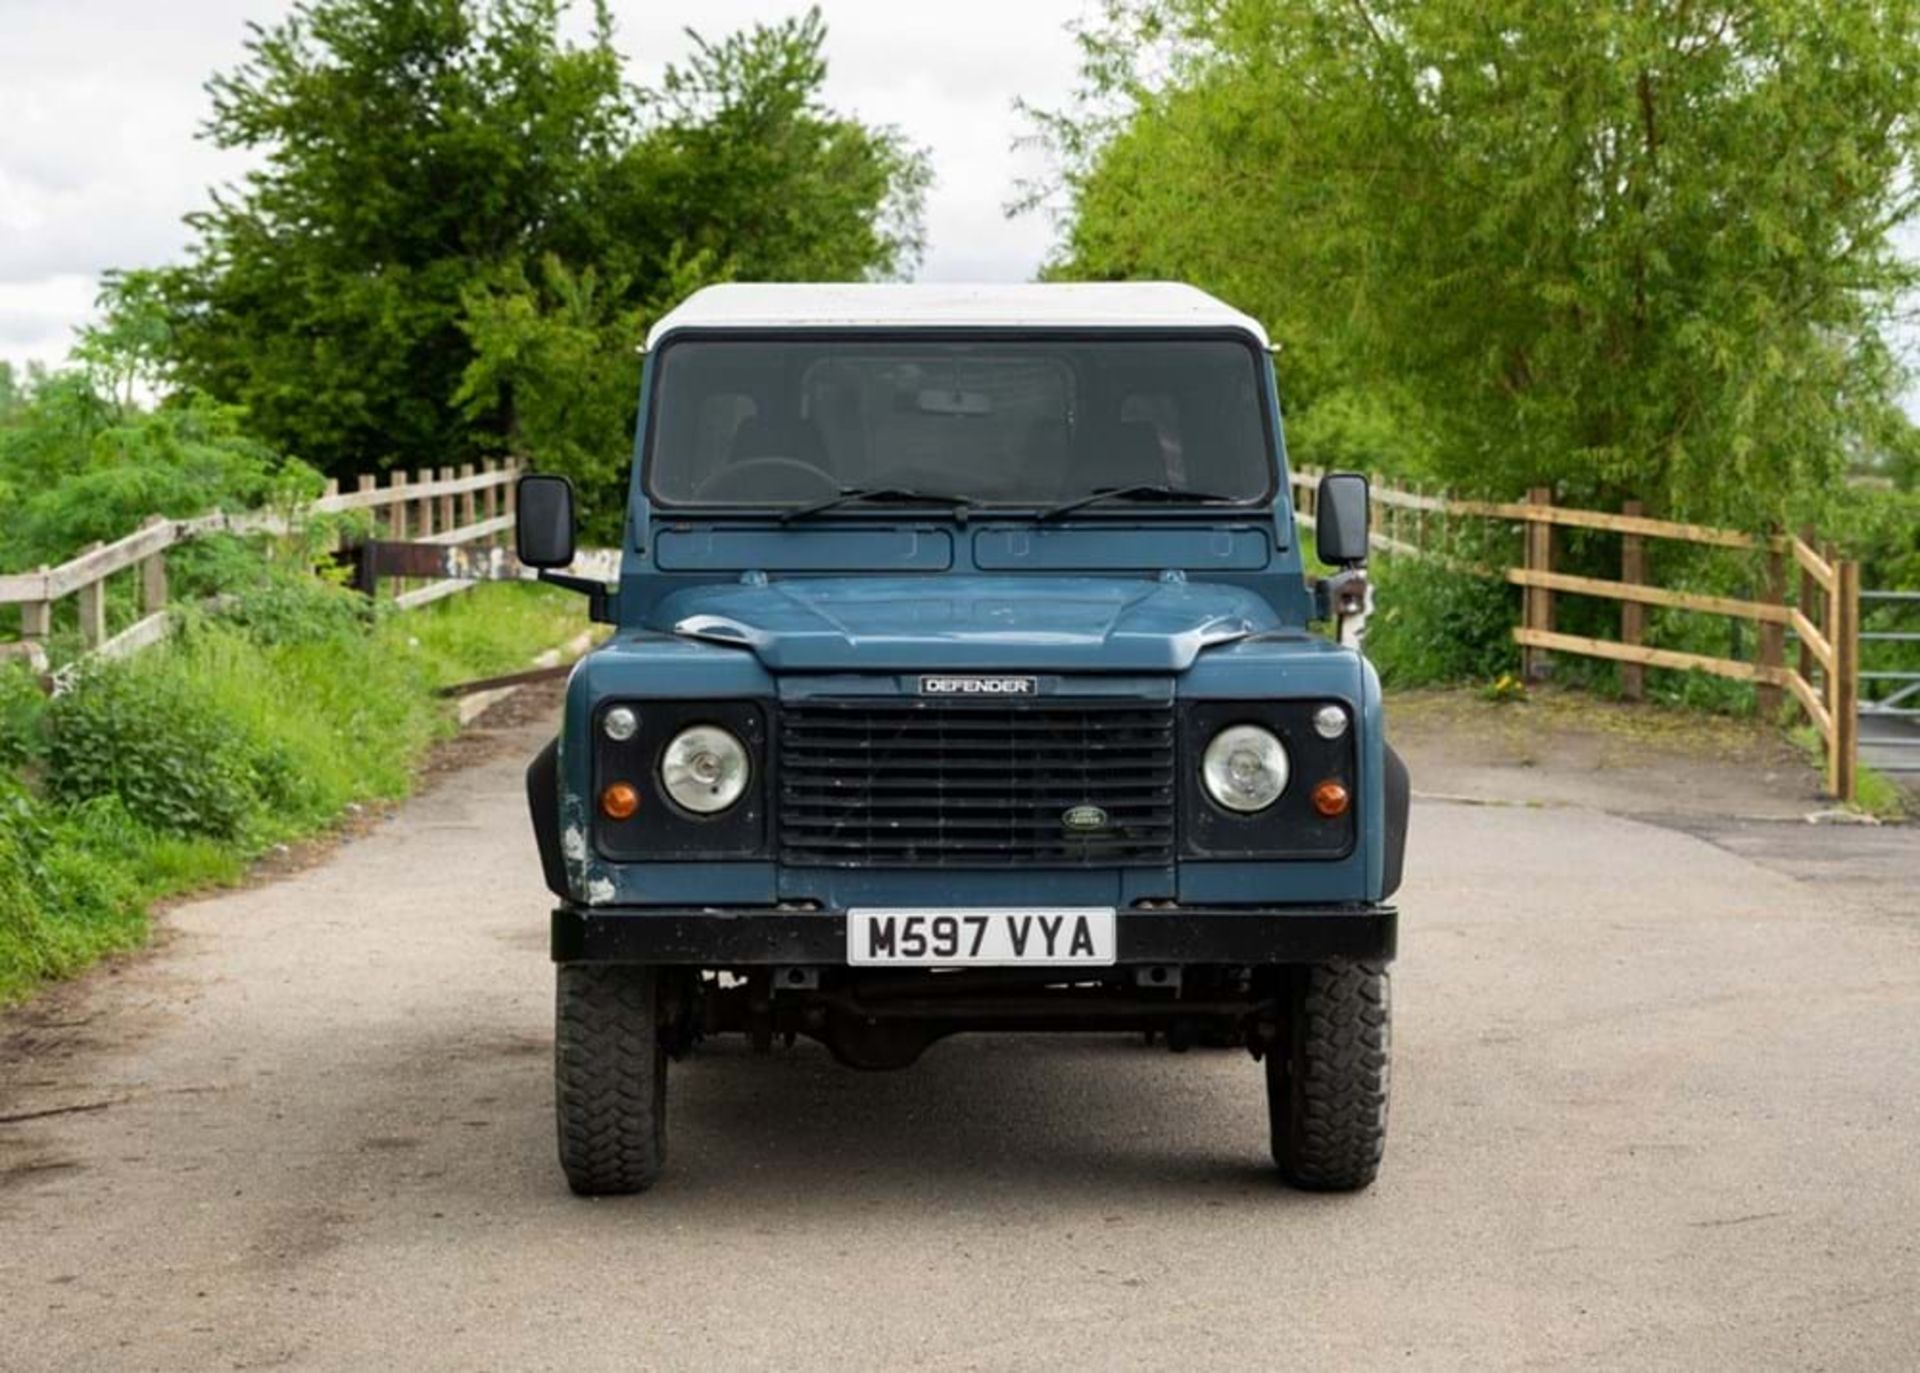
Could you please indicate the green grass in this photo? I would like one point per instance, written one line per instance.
(172, 772)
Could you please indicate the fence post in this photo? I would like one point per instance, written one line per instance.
(92, 601)
(1537, 604)
(369, 481)
(327, 493)
(36, 618)
(397, 506)
(424, 506)
(1809, 606)
(153, 577)
(508, 495)
(469, 502)
(1845, 699)
(1633, 615)
(1773, 634)
(447, 500)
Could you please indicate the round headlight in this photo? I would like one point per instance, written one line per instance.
(1244, 768)
(619, 724)
(705, 769)
(1330, 721)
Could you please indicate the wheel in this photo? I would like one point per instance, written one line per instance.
(609, 1078)
(1327, 1084)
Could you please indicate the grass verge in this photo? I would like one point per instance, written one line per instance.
(172, 772)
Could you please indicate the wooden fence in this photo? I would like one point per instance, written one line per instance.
(1806, 592)
(455, 507)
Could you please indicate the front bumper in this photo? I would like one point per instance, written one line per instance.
(710, 937)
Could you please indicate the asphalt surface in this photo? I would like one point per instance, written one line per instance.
(1657, 1103)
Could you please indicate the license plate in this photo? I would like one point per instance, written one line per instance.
(968, 937)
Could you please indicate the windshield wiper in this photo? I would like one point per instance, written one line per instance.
(854, 495)
(1146, 491)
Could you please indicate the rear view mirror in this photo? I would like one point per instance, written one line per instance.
(1341, 519)
(543, 528)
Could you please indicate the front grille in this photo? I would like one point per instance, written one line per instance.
(975, 783)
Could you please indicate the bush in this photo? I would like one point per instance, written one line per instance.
(78, 467)
(64, 899)
(141, 733)
(22, 708)
(1436, 621)
(169, 772)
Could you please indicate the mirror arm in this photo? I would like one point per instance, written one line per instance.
(1346, 600)
(599, 601)
(1342, 594)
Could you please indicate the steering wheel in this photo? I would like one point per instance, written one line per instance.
(770, 479)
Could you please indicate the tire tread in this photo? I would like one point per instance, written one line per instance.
(609, 1079)
(1328, 1093)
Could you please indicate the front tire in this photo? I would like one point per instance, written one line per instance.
(1327, 1085)
(610, 1078)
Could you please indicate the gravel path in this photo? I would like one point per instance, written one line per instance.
(1657, 1098)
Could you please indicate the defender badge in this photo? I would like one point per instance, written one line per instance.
(1084, 819)
(978, 686)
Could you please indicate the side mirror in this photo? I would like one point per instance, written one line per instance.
(1341, 517)
(543, 528)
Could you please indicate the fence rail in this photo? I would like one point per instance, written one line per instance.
(1807, 593)
(469, 505)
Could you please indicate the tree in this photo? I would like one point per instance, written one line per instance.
(461, 220)
(1628, 248)
(738, 173)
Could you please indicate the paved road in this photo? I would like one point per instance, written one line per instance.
(1658, 1092)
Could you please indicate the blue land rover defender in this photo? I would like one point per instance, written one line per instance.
(962, 679)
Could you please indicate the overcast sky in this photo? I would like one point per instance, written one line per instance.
(100, 100)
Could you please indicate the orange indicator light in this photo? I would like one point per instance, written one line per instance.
(620, 801)
(1330, 798)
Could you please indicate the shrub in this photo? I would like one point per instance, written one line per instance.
(22, 708)
(63, 902)
(82, 467)
(169, 772)
(1437, 621)
(139, 732)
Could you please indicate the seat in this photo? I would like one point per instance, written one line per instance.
(761, 437)
(1128, 455)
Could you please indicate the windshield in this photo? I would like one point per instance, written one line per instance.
(1009, 421)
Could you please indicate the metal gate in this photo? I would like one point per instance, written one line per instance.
(1890, 682)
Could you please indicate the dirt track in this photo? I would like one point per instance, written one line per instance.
(1657, 1098)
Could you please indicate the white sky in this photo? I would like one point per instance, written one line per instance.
(100, 100)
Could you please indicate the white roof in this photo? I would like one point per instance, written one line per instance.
(1067, 305)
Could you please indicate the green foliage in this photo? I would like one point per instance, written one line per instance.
(1877, 525)
(141, 733)
(561, 354)
(460, 223)
(22, 709)
(267, 592)
(77, 466)
(1436, 621)
(1617, 248)
(66, 894)
(170, 771)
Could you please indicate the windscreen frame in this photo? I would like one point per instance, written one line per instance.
(1272, 453)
